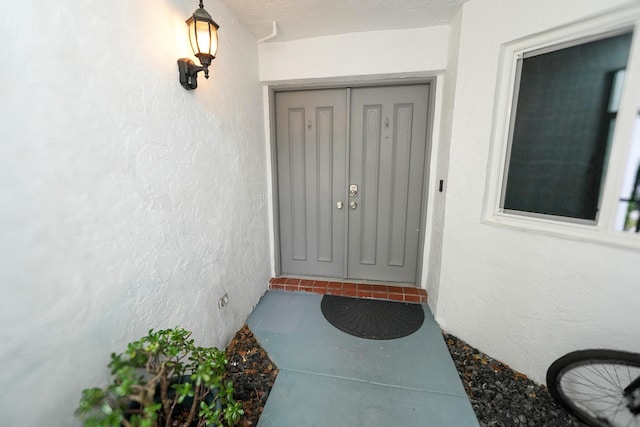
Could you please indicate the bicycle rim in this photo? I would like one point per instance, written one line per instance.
(591, 384)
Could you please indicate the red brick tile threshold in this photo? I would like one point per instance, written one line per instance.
(350, 289)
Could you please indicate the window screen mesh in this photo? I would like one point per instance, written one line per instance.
(560, 135)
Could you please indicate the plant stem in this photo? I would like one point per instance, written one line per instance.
(192, 411)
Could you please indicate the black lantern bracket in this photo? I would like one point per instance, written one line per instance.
(189, 73)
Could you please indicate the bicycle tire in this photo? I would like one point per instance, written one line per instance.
(578, 382)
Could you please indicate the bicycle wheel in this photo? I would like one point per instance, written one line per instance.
(591, 384)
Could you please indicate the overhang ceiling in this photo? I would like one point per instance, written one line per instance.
(297, 19)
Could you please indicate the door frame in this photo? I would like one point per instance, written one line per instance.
(429, 179)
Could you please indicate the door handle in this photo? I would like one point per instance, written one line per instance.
(339, 205)
(353, 204)
(353, 190)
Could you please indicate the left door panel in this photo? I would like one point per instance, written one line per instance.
(311, 133)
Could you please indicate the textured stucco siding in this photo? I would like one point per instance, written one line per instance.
(126, 202)
(523, 297)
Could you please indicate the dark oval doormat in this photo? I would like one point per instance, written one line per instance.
(372, 319)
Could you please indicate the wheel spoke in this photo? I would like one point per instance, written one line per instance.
(588, 382)
(593, 384)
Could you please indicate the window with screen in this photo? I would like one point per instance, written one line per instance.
(563, 116)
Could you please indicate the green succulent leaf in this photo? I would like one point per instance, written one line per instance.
(145, 371)
(183, 391)
(152, 411)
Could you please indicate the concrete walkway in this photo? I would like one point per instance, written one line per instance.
(331, 379)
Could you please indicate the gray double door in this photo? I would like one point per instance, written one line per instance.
(351, 170)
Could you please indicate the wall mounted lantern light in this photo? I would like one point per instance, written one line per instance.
(203, 36)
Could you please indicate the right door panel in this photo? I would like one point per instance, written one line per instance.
(386, 162)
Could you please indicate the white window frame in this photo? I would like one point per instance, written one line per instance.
(603, 229)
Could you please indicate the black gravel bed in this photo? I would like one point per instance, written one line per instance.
(502, 397)
(252, 373)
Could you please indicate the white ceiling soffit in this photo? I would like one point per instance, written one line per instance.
(298, 19)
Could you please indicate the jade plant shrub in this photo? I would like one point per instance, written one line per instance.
(163, 379)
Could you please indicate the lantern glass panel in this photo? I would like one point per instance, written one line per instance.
(203, 37)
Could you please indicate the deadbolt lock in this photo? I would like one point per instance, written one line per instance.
(353, 190)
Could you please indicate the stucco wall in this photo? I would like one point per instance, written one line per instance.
(126, 202)
(440, 162)
(522, 297)
(355, 54)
